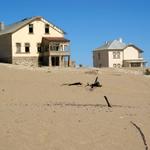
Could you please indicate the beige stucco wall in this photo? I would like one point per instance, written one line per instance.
(103, 61)
(5, 48)
(22, 36)
(113, 61)
(130, 53)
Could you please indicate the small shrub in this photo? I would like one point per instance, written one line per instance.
(147, 72)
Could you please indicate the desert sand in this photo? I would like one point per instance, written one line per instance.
(39, 112)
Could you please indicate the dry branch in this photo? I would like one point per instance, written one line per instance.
(95, 84)
(107, 101)
(141, 133)
(70, 84)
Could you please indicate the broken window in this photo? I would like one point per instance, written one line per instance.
(27, 47)
(116, 55)
(38, 47)
(30, 28)
(46, 28)
(99, 56)
(18, 47)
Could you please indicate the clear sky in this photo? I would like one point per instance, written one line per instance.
(88, 23)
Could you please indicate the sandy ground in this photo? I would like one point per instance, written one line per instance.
(38, 112)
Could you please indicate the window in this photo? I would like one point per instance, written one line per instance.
(18, 47)
(119, 65)
(46, 28)
(27, 47)
(31, 28)
(116, 55)
(114, 65)
(55, 47)
(66, 48)
(38, 47)
(99, 56)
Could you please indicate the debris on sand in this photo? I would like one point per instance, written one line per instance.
(95, 84)
(71, 84)
(141, 133)
(107, 101)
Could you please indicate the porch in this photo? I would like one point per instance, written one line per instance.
(55, 52)
(134, 63)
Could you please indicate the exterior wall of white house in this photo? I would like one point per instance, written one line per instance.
(119, 55)
(23, 36)
(5, 48)
(100, 58)
(130, 53)
(117, 62)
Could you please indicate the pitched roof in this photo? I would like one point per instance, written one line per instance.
(18, 25)
(55, 39)
(110, 45)
(134, 47)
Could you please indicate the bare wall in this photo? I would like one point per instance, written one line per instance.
(5, 48)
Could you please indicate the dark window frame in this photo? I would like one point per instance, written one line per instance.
(18, 47)
(47, 30)
(27, 47)
(31, 30)
(99, 56)
(116, 54)
(39, 49)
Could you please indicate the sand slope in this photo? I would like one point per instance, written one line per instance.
(38, 112)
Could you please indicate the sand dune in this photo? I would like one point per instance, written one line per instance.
(39, 112)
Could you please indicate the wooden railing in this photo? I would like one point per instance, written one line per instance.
(62, 53)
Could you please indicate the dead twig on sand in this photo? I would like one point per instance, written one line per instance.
(107, 101)
(95, 84)
(141, 133)
(70, 84)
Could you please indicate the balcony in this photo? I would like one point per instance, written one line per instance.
(59, 53)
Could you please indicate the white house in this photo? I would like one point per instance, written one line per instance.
(118, 54)
(34, 41)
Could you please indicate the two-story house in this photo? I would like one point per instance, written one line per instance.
(118, 54)
(34, 41)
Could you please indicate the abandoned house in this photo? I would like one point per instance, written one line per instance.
(118, 54)
(34, 41)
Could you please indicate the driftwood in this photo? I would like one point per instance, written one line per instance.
(76, 83)
(95, 84)
(70, 84)
(141, 133)
(107, 101)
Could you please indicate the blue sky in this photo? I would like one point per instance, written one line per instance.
(88, 23)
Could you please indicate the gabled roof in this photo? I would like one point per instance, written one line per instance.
(134, 47)
(20, 24)
(110, 45)
(116, 45)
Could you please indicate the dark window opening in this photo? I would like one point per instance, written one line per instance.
(30, 28)
(116, 55)
(55, 47)
(99, 56)
(47, 29)
(136, 64)
(55, 61)
(39, 47)
(27, 47)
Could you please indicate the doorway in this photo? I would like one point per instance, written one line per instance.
(55, 61)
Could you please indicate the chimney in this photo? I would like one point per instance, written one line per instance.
(2, 26)
(120, 40)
